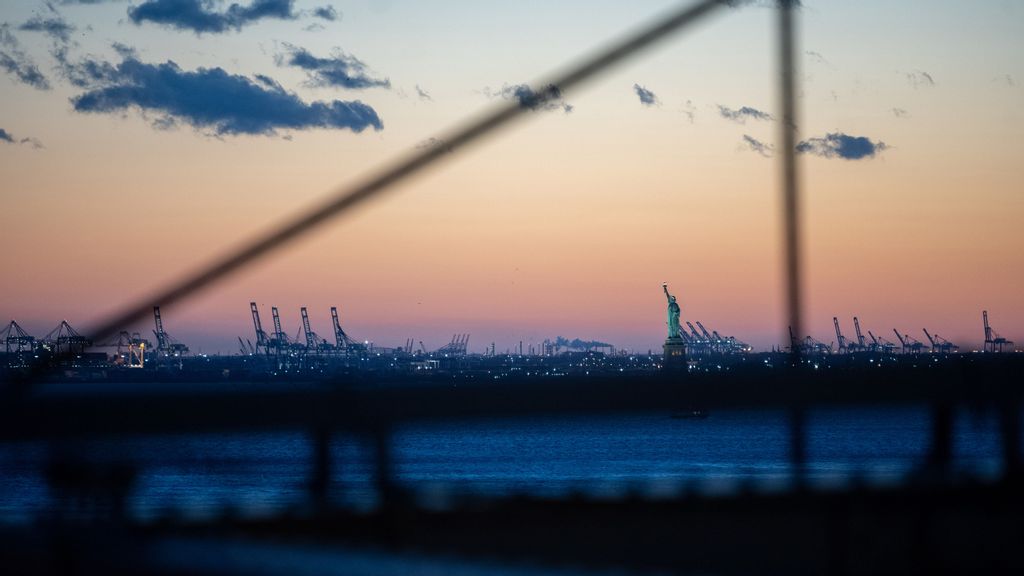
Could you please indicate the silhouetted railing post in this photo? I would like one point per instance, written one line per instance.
(386, 488)
(941, 454)
(798, 442)
(1009, 430)
(320, 483)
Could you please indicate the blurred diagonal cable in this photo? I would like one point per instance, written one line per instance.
(386, 178)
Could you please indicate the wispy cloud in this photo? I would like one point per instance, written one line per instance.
(17, 63)
(199, 17)
(689, 110)
(423, 94)
(548, 98)
(839, 145)
(9, 138)
(741, 115)
(900, 113)
(818, 58)
(340, 70)
(54, 26)
(920, 78)
(647, 98)
(210, 98)
(756, 145)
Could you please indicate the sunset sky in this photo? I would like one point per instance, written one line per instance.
(140, 139)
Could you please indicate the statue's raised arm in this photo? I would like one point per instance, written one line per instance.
(667, 295)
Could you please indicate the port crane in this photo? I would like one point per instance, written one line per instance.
(840, 339)
(65, 340)
(314, 343)
(881, 344)
(993, 341)
(940, 344)
(131, 349)
(457, 347)
(280, 342)
(16, 339)
(712, 343)
(809, 345)
(262, 340)
(910, 345)
(860, 337)
(342, 340)
(165, 344)
(699, 342)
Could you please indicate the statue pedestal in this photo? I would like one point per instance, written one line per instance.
(675, 355)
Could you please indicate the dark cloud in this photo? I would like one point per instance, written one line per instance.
(210, 98)
(919, 78)
(647, 98)
(326, 13)
(423, 94)
(198, 16)
(839, 145)
(756, 145)
(340, 70)
(55, 27)
(18, 64)
(900, 113)
(743, 114)
(549, 98)
(9, 138)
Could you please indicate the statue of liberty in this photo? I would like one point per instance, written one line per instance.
(673, 315)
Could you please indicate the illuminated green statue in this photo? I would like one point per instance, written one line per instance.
(673, 315)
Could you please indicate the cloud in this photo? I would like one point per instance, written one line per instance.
(549, 98)
(9, 138)
(756, 145)
(689, 109)
(423, 94)
(326, 13)
(920, 78)
(647, 98)
(55, 27)
(88, 1)
(197, 16)
(900, 113)
(1005, 80)
(742, 114)
(18, 64)
(210, 98)
(839, 145)
(340, 70)
(816, 57)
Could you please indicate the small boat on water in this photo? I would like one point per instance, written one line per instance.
(690, 414)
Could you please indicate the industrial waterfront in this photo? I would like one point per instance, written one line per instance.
(273, 352)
